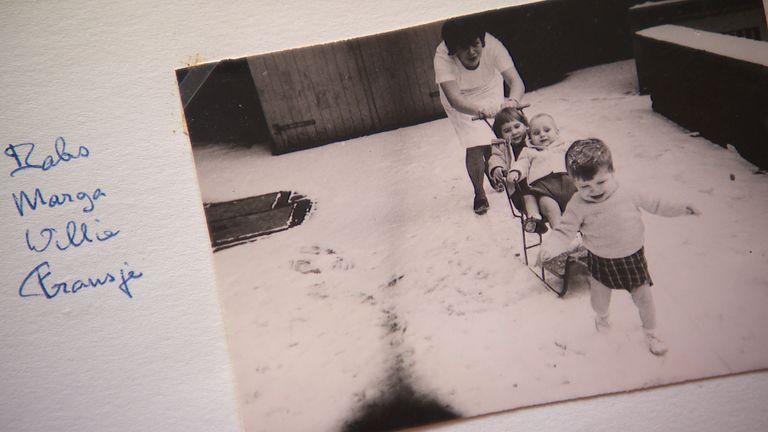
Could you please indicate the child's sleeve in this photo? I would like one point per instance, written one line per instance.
(658, 206)
(498, 158)
(523, 163)
(562, 235)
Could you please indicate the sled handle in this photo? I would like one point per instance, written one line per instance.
(482, 117)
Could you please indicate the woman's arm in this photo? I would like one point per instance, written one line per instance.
(462, 104)
(516, 86)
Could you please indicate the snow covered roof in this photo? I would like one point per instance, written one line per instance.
(730, 46)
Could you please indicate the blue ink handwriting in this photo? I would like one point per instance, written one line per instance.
(35, 284)
(55, 200)
(21, 154)
(74, 236)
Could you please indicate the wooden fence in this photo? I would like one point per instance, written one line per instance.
(315, 95)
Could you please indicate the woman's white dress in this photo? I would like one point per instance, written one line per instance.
(483, 85)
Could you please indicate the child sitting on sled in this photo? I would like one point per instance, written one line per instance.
(511, 127)
(542, 164)
(609, 219)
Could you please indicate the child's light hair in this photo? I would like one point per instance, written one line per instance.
(543, 115)
(505, 116)
(585, 157)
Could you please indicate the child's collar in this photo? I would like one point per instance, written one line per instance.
(555, 144)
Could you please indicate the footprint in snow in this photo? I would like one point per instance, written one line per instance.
(316, 260)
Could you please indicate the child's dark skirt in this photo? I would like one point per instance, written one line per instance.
(557, 186)
(620, 273)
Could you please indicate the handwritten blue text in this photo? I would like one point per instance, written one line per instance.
(22, 153)
(23, 200)
(74, 236)
(36, 284)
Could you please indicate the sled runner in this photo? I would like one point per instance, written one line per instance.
(557, 272)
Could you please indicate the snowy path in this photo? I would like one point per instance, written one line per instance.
(393, 268)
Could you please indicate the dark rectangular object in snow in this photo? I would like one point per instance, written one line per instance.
(238, 221)
(695, 82)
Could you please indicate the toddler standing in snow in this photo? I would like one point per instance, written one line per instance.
(511, 126)
(543, 165)
(609, 219)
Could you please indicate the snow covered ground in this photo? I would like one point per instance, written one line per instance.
(393, 275)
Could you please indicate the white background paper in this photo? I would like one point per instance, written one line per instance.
(101, 74)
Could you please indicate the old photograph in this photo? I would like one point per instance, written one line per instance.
(549, 201)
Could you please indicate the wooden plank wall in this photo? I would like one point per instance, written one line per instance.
(401, 75)
(316, 95)
(320, 94)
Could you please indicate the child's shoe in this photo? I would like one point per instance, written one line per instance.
(529, 225)
(602, 324)
(480, 205)
(655, 345)
(535, 225)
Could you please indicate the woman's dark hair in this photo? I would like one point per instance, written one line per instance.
(505, 116)
(461, 33)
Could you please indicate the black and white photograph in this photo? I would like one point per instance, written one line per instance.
(554, 200)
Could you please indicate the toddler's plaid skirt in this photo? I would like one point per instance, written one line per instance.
(620, 273)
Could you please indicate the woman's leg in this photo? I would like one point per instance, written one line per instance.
(476, 163)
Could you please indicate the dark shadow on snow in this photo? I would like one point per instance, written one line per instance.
(399, 407)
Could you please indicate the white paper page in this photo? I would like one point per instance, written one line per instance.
(150, 353)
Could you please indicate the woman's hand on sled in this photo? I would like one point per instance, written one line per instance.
(487, 112)
(511, 103)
